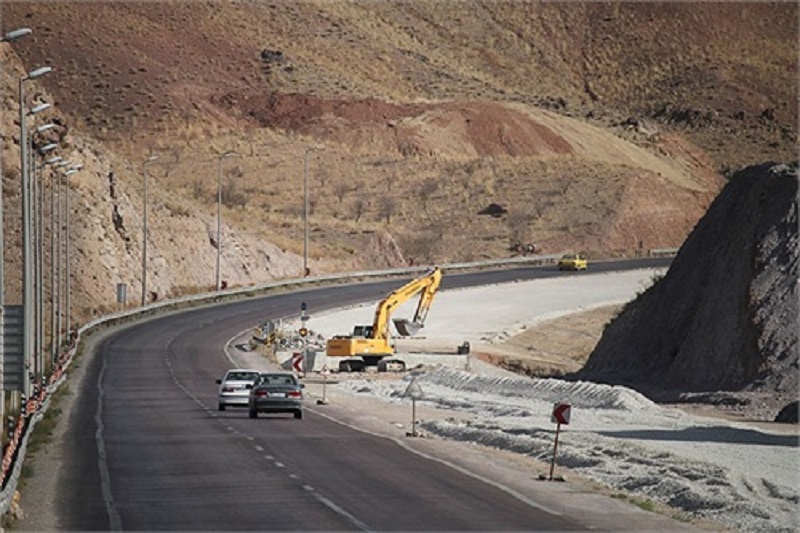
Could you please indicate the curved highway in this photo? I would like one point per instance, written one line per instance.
(149, 450)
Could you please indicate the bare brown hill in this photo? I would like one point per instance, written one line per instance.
(596, 127)
(732, 300)
(714, 70)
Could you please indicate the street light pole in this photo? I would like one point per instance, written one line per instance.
(55, 282)
(306, 272)
(67, 291)
(38, 253)
(305, 213)
(27, 281)
(35, 269)
(150, 159)
(36, 188)
(57, 287)
(306, 192)
(218, 279)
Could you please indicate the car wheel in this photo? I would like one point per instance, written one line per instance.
(298, 414)
(253, 413)
(221, 407)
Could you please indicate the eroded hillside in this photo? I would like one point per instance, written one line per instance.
(598, 127)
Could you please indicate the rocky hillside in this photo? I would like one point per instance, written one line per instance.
(601, 127)
(724, 318)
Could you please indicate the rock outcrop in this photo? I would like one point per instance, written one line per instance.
(725, 315)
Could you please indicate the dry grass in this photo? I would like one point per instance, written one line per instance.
(144, 81)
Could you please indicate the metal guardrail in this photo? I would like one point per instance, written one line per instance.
(662, 252)
(35, 411)
(232, 294)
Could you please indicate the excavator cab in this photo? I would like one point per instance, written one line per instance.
(362, 331)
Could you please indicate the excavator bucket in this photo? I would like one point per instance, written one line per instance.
(406, 328)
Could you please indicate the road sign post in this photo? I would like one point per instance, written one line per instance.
(561, 415)
(413, 417)
(414, 391)
(324, 400)
(304, 335)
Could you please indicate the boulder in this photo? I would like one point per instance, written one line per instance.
(788, 414)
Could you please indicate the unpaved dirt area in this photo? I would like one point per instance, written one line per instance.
(552, 347)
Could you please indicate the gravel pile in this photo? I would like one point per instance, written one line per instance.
(706, 469)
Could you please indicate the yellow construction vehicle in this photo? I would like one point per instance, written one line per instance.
(369, 344)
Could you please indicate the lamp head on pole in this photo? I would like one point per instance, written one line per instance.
(45, 127)
(41, 71)
(47, 148)
(39, 108)
(13, 35)
(151, 159)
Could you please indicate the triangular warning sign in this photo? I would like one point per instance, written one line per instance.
(413, 390)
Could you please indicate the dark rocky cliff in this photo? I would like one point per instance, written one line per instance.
(725, 316)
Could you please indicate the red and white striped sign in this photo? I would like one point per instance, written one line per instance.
(561, 412)
(297, 361)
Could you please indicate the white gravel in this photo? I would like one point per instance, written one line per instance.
(742, 477)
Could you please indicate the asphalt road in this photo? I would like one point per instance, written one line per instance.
(147, 449)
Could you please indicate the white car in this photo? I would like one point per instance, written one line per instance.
(234, 388)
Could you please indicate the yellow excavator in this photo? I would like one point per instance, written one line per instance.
(369, 344)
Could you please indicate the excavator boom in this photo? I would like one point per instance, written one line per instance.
(427, 285)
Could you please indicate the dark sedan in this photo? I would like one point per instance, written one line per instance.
(276, 392)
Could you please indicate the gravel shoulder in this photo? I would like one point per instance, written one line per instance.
(38, 487)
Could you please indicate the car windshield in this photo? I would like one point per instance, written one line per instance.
(241, 376)
(277, 379)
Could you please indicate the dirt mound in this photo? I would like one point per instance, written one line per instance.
(724, 317)
(471, 129)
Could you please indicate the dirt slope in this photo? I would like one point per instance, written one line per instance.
(597, 127)
(711, 70)
(725, 315)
